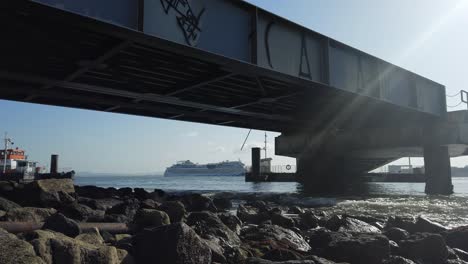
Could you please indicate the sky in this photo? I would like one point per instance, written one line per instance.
(427, 37)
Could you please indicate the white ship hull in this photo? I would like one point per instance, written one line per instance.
(205, 170)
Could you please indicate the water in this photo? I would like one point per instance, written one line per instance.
(404, 199)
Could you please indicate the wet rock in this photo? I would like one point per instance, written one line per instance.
(29, 214)
(231, 221)
(321, 237)
(99, 204)
(424, 225)
(279, 254)
(358, 248)
(81, 212)
(406, 223)
(128, 208)
(176, 243)
(251, 215)
(150, 218)
(92, 237)
(463, 255)
(296, 210)
(140, 194)
(16, 251)
(398, 260)
(263, 261)
(94, 192)
(215, 233)
(149, 204)
(55, 247)
(424, 247)
(348, 224)
(222, 203)
(396, 234)
(457, 238)
(308, 220)
(197, 203)
(282, 220)
(267, 237)
(175, 210)
(394, 247)
(7, 205)
(125, 192)
(59, 223)
(455, 261)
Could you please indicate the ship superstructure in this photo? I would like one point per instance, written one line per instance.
(188, 168)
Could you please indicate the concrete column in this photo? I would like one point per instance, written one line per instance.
(438, 170)
(54, 164)
(255, 171)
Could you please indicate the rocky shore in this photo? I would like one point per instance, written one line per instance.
(53, 221)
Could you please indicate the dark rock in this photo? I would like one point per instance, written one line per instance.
(251, 215)
(309, 220)
(222, 203)
(92, 236)
(197, 203)
(7, 205)
(396, 234)
(59, 223)
(398, 260)
(108, 237)
(81, 212)
(231, 221)
(281, 220)
(457, 238)
(175, 210)
(125, 192)
(29, 214)
(424, 247)
(321, 237)
(124, 241)
(278, 254)
(358, 248)
(116, 218)
(158, 195)
(463, 255)
(348, 224)
(451, 253)
(140, 194)
(176, 243)
(268, 237)
(296, 210)
(55, 247)
(394, 247)
(45, 193)
(424, 225)
(128, 208)
(16, 251)
(455, 261)
(406, 223)
(264, 261)
(94, 192)
(150, 218)
(149, 204)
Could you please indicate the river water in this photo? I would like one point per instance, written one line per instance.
(404, 199)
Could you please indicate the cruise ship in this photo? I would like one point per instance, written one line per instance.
(188, 168)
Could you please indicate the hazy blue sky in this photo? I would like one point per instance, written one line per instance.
(428, 37)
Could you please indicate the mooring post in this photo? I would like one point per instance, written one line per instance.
(437, 170)
(54, 164)
(255, 173)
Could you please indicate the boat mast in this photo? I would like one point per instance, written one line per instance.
(5, 152)
(265, 148)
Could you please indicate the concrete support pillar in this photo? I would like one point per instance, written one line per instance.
(54, 164)
(438, 170)
(255, 171)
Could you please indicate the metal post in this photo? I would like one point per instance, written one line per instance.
(5, 153)
(54, 164)
(255, 174)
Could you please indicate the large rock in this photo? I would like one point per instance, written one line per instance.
(308, 220)
(81, 212)
(396, 234)
(47, 193)
(128, 208)
(463, 255)
(59, 223)
(7, 205)
(197, 203)
(424, 225)
(176, 243)
(313, 260)
(406, 223)
(99, 204)
(91, 236)
(267, 237)
(95, 192)
(175, 210)
(425, 247)
(457, 238)
(150, 218)
(348, 224)
(29, 214)
(216, 234)
(16, 251)
(252, 215)
(55, 247)
(231, 221)
(282, 220)
(398, 260)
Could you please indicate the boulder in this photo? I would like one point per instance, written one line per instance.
(358, 248)
(264, 261)
(425, 247)
(282, 220)
(99, 204)
(125, 192)
(457, 238)
(267, 237)
(81, 212)
(308, 220)
(296, 210)
(29, 214)
(150, 218)
(55, 247)
(7, 205)
(424, 225)
(222, 203)
(251, 215)
(396, 234)
(176, 243)
(16, 251)
(94, 192)
(149, 204)
(128, 208)
(196, 203)
(348, 224)
(398, 260)
(140, 194)
(406, 223)
(47, 193)
(175, 210)
(231, 221)
(279, 254)
(463, 255)
(91, 237)
(59, 223)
